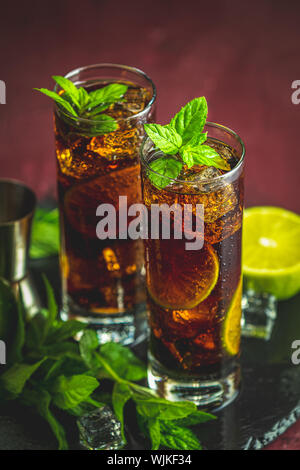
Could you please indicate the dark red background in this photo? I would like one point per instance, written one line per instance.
(242, 55)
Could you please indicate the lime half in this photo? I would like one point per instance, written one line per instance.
(271, 251)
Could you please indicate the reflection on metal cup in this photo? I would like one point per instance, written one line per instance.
(17, 205)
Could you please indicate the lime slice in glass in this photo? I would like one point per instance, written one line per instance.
(182, 279)
(232, 324)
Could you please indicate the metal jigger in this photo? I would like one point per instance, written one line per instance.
(17, 205)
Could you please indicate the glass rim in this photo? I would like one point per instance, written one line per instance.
(219, 178)
(105, 65)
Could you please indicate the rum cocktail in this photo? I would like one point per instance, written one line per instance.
(194, 293)
(97, 152)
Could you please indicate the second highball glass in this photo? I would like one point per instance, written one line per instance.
(194, 294)
(102, 280)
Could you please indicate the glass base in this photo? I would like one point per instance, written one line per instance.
(209, 391)
(128, 328)
(259, 314)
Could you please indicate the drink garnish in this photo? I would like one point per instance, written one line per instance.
(187, 288)
(182, 142)
(78, 102)
(231, 331)
(271, 251)
(55, 376)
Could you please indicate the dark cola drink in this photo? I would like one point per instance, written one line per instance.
(103, 282)
(194, 295)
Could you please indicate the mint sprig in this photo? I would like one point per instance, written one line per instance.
(88, 105)
(166, 167)
(190, 120)
(182, 141)
(62, 102)
(52, 374)
(165, 138)
(163, 421)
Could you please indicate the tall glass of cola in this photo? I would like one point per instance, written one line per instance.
(102, 279)
(194, 295)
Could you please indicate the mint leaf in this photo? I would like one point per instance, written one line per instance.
(15, 378)
(79, 103)
(178, 437)
(191, 119)
(187, 157)
(36, 332)
(60, 377)
(68, 392)
(85, 407)
(69, 87)
(183, 136)
(45, 233)
(102, 125)
(66, 366)
(121, 394)
(165, 167)
(197, 417)
(195, 141)
(64, 330)
(154, 407)
(59, 100)
(205, 155)
(101, 99)
(60, 350)
(123, 361)
(52, 305)
(63, 366)
(97, 110)
(41, 400)
(164, 137)
(109, 94)
(154, 433)
(87, 346)
(83, 97)
(15, 349)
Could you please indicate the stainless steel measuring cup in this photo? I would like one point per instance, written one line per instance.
(17, 205)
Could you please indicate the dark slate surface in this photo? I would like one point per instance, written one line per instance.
(268, 404)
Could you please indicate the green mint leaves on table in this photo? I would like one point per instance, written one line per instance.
(88, 105)
(182, 141)
(48, 371)
(45, 233)
(163, 421)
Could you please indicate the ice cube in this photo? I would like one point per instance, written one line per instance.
(208, 172)
(200, 177)
(226, 152)
(206, 341)
(121, 143)
(217, 199)
(100, 430)
(136, 99)
(111, 259)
